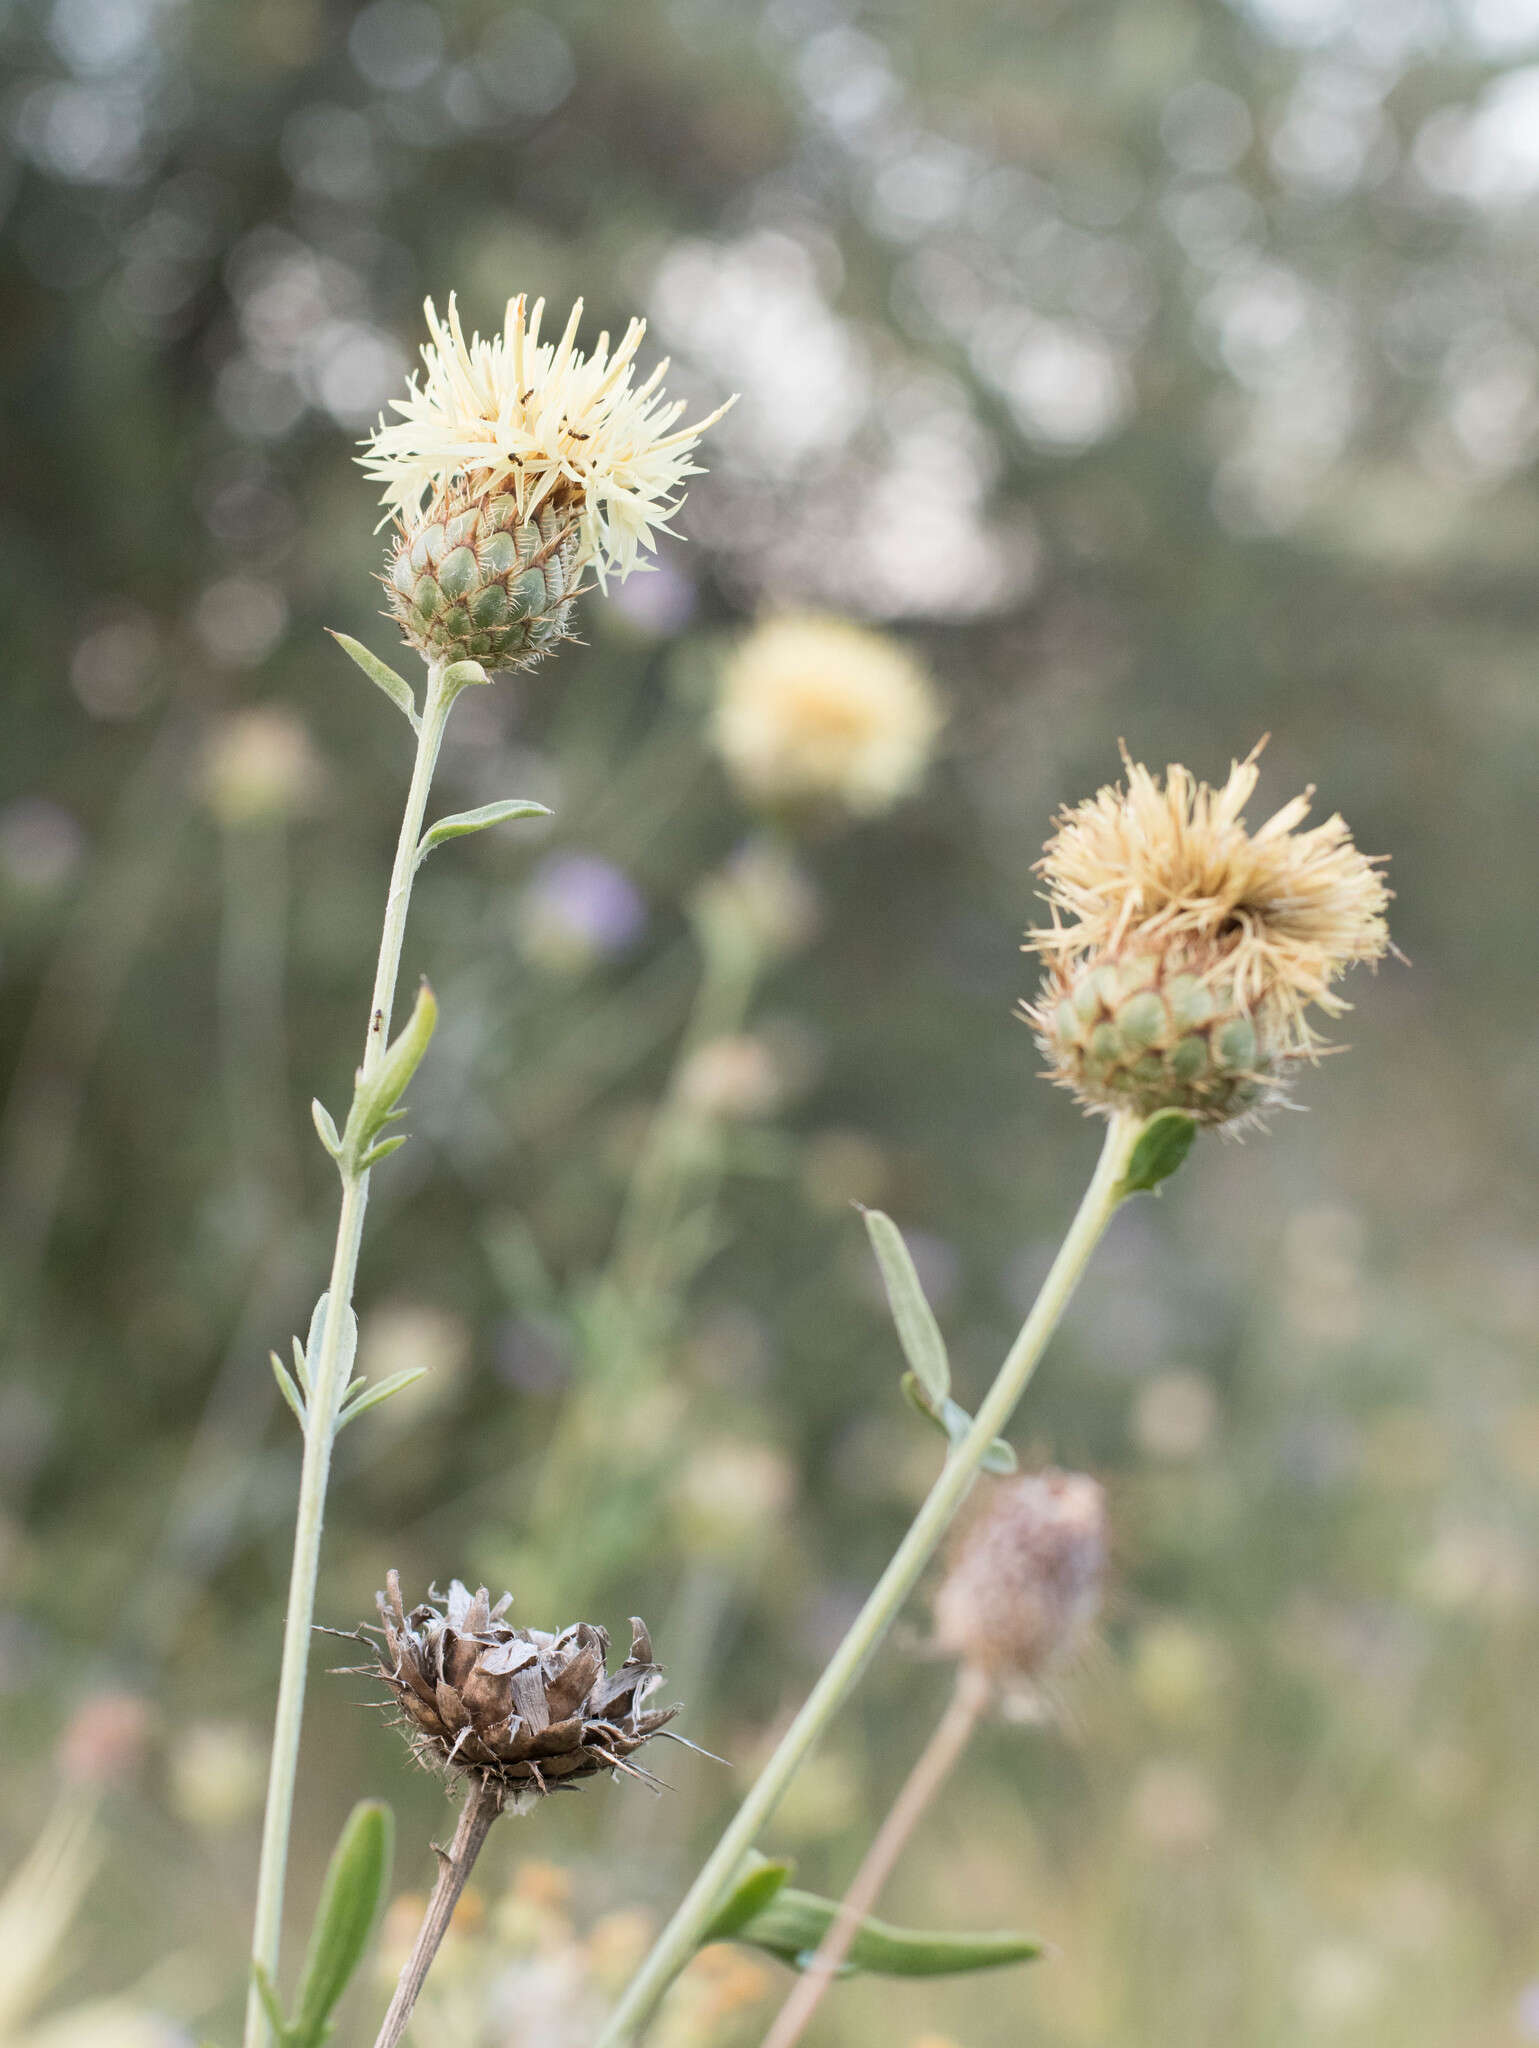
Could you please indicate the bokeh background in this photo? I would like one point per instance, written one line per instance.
(1151, 369)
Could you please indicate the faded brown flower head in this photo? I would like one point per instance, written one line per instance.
(1024, 1582)
(1185, 950)
(530, 1710)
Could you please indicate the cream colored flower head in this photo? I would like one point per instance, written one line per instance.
(544, 424)
(1186, 950)
(817, 709)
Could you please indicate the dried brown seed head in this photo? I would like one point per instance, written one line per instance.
(530, 1710)
(1024, 1583)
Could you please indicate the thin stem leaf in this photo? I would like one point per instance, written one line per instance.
(752, 1893)
(953, 1422)
(395, 687)
(288, 1390)
(794, 1923)
(918, 1332)
(1166, 1140)
(361, 1396)
(325, 1128)
(357, 1878)
(462, 822)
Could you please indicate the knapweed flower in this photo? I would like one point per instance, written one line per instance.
(1024, 1582)
(1185, 951)
(516, 463)
(528, 1710)
(816, 710)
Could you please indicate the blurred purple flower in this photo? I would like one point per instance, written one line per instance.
(578, 909)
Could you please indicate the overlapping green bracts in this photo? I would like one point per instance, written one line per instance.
(1152, 1032)
(473, 582)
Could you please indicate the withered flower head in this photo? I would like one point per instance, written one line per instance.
(528, 1710)
(1185, 950)
(1024, 1582)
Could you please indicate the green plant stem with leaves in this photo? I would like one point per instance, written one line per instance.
(325, 1399)
(970, 1697)
(1117, 1175)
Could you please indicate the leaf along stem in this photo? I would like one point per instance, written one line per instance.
(325, 1395)
(680, 1938)
(938, 1758)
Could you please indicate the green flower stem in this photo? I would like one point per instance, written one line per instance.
(971, 1695)
(680, 1938)
(326, 1394)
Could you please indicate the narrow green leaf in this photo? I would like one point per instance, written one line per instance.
(325, 1127)
(793, 1924)
(289, 1391)
(953, 1422)
(381, 1151)
(307, 1361)
(1163, 1145)
(395, 687)
(918, 1332)
(760, 1881)
(360, 1395)
(460, 674)
(356, 1881)
(461, 822)
(375, 1098)
(269, 1998)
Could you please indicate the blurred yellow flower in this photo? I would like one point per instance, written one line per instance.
(817, 709)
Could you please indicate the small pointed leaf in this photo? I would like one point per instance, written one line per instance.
(269, 1998)
(361, 1396)
(315, 1344)
(356, 1881)
(460, 674)
(381, 1151)
(325, 1127)
(289, 1391)
(395, 687)
(918, 1332)
(794, 1922)
(760, 1881)
(1163, 1145)
(376, 1095)
(953, 1421)
(461, 822)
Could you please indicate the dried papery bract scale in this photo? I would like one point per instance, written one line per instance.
(1024, 1582)
(1186, 951)
(533, 1712)
(514, 464)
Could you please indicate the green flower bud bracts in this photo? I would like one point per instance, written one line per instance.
(1149, 1032)
(475, 582)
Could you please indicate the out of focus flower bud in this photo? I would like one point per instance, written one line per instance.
(733, 1079)
(105, 1738)
(1024, 1583)
(218, 1772)
(816, 710)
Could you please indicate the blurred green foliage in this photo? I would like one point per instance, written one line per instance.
(1162, 371)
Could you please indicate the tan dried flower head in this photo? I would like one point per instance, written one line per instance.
(530, 1710)
(815, 709)
(1024, 1582)
(514, 464)
(1186, 950)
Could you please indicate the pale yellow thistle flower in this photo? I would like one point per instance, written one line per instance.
(815, 709)
(514, 464)
(1185, 950)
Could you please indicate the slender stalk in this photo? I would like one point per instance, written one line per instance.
(326, 1393)
(483, 1803)
(680, 1938)
(939, 1756)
